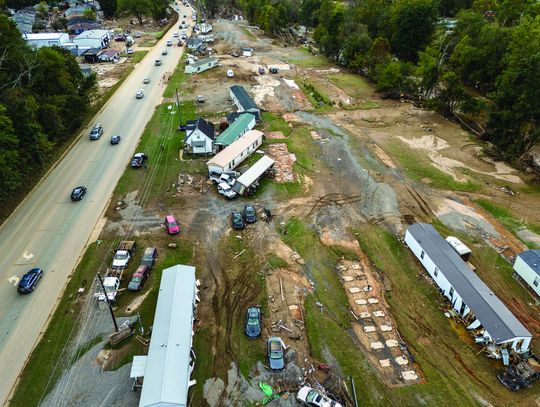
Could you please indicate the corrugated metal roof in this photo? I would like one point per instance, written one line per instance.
(235, 130)
(243, 98)
(532, 258)
(223, 158)
(255, 171)
(205, 61)
(166, 376)
(494, 316)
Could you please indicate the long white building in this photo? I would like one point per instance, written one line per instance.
(230, 157)
(39, 40)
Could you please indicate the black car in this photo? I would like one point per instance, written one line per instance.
(250, 215)
(29, 281)
(78, 193)
(138, 160)
(253, 322)
(149, 257)
(115, 139)
(237, 220)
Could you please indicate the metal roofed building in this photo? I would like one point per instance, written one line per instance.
(232, 156)
(202, 65)
(247, 180)
(243, 101)
(471, 298)
(39, 40)
(169, 362)
(527, 266)
(240, 126)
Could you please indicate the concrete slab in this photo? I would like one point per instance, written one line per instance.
(409, 375)
(373, 300)
(392, 343)
(385, 362)
(356, 267)
(386, 328)
(379, 314)
(377, 345)
(365, 315)
(347, 278)
(354, 290)
(369, 328)
(360, 302)
(402, 360)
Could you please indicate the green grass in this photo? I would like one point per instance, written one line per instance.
(177, 78)
(249, 34)
(275, 262)
(315, 94)
(274, 122)
(418, 167)
(354, 85)
(306, 59)
(137, 56)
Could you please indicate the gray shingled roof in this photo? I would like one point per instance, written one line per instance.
(494, 316)
(532, 258)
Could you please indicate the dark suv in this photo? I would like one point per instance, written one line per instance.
(149, 257)
(250, 215)
(96, 132)
(237, 220)
(78, 193)
(29, 281)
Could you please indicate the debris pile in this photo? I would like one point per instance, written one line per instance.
(284, 161)
(195, 182)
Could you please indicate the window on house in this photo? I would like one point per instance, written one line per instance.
(422, 254)
(536, 281)
(451, 292)
(436, 272)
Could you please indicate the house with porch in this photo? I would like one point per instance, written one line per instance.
(199, 137)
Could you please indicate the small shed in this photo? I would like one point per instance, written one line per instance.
(199, 137)
(247, 52)
(527, 266)
(229, 158)
(243, 101)
(91, 55)
(201, 65)
(240, 126)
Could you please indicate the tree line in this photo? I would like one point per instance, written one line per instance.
(43, 101)
(478, 61)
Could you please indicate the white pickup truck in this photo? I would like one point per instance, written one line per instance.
(124, 253)
(111, 285)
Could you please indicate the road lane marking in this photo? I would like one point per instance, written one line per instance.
(14, 280)
(27, 256)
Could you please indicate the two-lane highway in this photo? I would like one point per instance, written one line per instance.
(49, 231)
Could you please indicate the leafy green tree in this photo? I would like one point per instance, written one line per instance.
(89, 14)
(356, 42)
(10, 176)
(413, 23)
(394, 78)
(108, 7)
(308, 14)
(138, 8)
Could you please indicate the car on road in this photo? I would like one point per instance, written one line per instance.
(158, 62)
(175, 34)
(230, 73)
(237, 220)
(146, 80)
(253, 322)
(169, 43)
(129, 51)
(139, 278)
(164, 52)
(96, 131)
(78, 193)
(235, 54)
(149, 257)
(250, 214)
(29, 281)
(309, 397)
(139, 94)
(276, 357)
(115, 139)
(172, 225)
(138, 160)
(120, 38)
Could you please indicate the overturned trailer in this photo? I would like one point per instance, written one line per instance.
(247, 182)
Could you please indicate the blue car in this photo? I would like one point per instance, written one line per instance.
(276, 357)
(29, 281)
(253, 322)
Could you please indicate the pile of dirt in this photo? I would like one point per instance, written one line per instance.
(284, 162)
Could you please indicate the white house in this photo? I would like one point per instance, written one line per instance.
(232, 156)
(470, 297)
(527, 266)
(39, 40)
(199, 137)
(201, 65)
(93, 39)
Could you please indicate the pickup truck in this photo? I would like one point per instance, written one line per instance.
(124, 253)
(111, 284)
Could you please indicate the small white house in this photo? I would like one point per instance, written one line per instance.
(229, 158)
(199, 137)
(39, 40)
(93, 39)
(201, 65)
(470, 297)
(527, 266)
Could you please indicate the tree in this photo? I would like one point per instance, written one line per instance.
(394, 78)
(10, 176)
(413, 23)
(309, 12)
(108, 7)
(136, 7)
(89, 14)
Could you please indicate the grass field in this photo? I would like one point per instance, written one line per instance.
(354, 85)
(306, 59)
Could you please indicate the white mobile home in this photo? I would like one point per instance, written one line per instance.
(470, 297)
(527, 266)
(232, 156)
(93, 39)
(251, 176)
(202, 65)
(243, 101)
(47, 39)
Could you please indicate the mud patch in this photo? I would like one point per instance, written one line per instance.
(284, 162)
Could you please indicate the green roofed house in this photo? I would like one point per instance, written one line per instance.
(240, 126)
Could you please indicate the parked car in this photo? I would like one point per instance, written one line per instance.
(200, 99)
(138, 160)
(250, 215)
(164, 52)
(115, 139)
(306, 395)
(78, 193)
(129, 51)
(230, 73)
(146, 80)
(235, 54)
(169, 43)
(139, 278)
(237, 220)
(137, 34)
(149, 257)
(175, 34)
(276, 357)
(253, 322)
(172, 225)
(96, 132)
(29, 281)
(158, 62)
(261, 71)
(120, 38)
(274, 70)
(139, 94)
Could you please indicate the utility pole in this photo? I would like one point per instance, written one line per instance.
(355, 399)
(178, 106)
(109, 302)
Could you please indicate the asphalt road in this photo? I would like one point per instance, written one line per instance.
(49, 231)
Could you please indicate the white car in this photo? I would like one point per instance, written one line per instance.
(307, 396)
(146, 80)
(230, 73)
(175, 35)
(140, 94)
(169, 43)
(129, 51)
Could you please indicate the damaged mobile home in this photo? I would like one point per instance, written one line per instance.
(481, 310)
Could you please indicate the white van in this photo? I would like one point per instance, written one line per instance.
(230, 73)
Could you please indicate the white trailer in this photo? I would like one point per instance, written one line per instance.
(245, 183)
